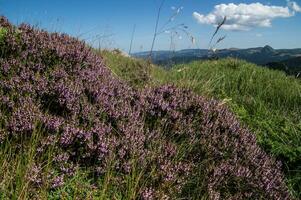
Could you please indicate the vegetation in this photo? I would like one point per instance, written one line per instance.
(69, 127)
(266, 101)
(133, 71)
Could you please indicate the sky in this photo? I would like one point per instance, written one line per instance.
(110, 23)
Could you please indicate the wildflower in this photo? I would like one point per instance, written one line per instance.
(58, 181)
(34, 175)
(148, 194)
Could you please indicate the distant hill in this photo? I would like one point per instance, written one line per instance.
(259, 55)
(291, 66)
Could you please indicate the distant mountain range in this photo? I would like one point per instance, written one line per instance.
(288, 60)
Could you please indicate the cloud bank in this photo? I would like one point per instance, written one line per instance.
(243, 17)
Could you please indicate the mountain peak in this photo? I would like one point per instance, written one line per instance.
(267, 49)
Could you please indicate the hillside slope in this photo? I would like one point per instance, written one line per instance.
(70, 128)
(267, 101)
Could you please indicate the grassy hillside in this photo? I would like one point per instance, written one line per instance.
(266, 101)
(70, 127)
(133, 71)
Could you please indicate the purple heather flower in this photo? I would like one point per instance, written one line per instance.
(34, 175)
(148, 194)
(58, 181)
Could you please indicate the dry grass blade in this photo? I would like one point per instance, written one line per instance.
(220, 40)
(217, 29)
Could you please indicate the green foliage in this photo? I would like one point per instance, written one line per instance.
(3, 32)
(78, 187)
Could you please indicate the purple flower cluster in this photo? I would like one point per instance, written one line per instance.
(33, 175)
(57, 181)
(90, 117)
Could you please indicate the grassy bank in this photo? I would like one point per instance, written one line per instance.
(266, 101)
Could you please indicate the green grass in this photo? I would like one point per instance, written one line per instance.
(266, 101)
(136, 72)
(133, 71)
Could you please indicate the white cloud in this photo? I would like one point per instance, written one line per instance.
(243, 17)
(294, 6)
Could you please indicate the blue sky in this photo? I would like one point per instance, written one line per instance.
(256, 23)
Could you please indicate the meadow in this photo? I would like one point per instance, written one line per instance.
(80, 123)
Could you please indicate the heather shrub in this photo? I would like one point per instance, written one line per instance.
(87, 119)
